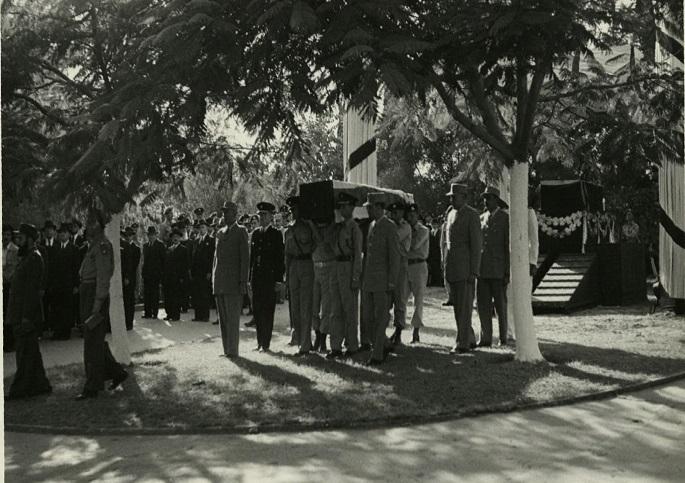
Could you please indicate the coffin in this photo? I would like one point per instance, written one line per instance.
(317, 200)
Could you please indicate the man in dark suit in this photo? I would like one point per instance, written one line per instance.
(25, 314)
(63, 283)
(48, 249)
(462, 263)
(176, 275)
(267, 266)
(130, 258)
(201, 272)
(154, 253)
(494, 268)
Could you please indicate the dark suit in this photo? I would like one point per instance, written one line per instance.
(201, 271)
(494, 273)
(153, 268)
(187, 288)
(267, 266)
(25, 315)
(64, 265)
(50, 298)
(130, 258)
(176, 276)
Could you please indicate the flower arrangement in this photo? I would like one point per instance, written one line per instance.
(560, 226)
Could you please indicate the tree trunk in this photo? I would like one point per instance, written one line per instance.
(527, 349)
(120, 348)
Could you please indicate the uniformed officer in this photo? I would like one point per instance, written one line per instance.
(176, 275)
(324, 270)
(96, 271)
(201, 272)
(401, 292)
(346, 282)
(130, 258)
(24, 317)
(299, 245)
(381, 269)
(266, 273)
(417, 266)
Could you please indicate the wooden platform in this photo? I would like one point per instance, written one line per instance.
(567, 283)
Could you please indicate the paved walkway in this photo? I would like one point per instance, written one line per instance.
(636, 437)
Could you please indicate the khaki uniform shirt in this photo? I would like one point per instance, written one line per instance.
(323, 238)
(419, 242)
(348, 243)
(299, 240)
(98, 266)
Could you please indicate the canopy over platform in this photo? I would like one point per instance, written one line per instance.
(317, 200)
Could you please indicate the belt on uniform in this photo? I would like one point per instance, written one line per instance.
(322, 263)
(344, 258)
(303, 257)
(413, 261)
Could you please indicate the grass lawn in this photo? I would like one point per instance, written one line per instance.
(189, 386)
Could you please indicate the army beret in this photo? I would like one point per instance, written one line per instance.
(28, 230)
(266, 206)
(397, 205)
(346, 199)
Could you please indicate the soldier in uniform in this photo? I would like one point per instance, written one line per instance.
(494, 268)
(381, 270)
(154, 254)
(96, 271)
(417, 266)
(130, 258)
(462, 263)
(25, 315)
(229, 277)
(324, 270)
(201, 272)
(176, 274)
(346, 282)
(266, 273)
(65, 266)
(299, 245)
(401, 292)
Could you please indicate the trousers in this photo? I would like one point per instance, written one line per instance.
(300, 286)
(417, 278)
(491, 290)
(202, 291)
(151, 296)
(129, 292)
(345, 321)
(462, 293)
(229, 307)
(264, 298)
(399, 297)
(376, 315)
(322, 307)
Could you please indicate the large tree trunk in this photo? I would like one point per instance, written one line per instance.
(120, 348)
(527, 349)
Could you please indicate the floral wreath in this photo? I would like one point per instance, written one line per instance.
(561, 226)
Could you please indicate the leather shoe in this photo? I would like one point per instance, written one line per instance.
(373, 362)
(116, 382)
(334, 355)
(300, 353)
(484, 344)
(447, 304)
(364, 347)
(251, 323)
(349, 353)
(86, 395)
(415, 336)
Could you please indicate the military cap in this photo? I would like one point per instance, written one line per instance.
(375, 199)
(151, 230)
(229, 205)
(346, 199)
(397, 205)
(266, 206)
(412, 208)
(28, 230)
(134, 225)
(199, 211)
(49, 224)
(168, 209)
(129, 231)
(456, 188)
(63, 228)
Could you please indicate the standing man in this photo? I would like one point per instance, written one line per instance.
(176, 274)
(401, 292)
(96, 271)
(417, 270)
(381, 270)
(154, 253)
(346, 282)
(266, 273)
(130, 258)
(50, 301)
(229, 277)
(462, 263)
(65, 266)
(25, 315)
(10, 260)
(299, 245)
(201, 272)
(494, 268)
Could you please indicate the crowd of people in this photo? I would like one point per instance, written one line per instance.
(57, 280)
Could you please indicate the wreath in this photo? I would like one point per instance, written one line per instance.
(560, 226)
